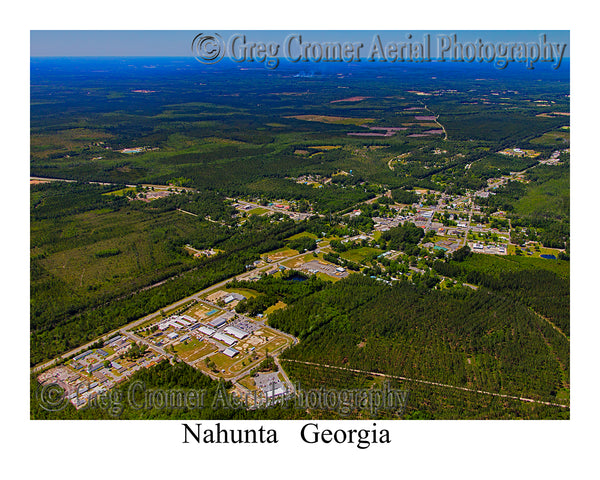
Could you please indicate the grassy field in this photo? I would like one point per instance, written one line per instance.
(541, 250)
(198, 351)
(296, 262)
(555, 138)
(190, 345)
(280, 253)
(121, 192)
(246, 292)
(329, 278)
(248, 382)
(223, 362)
(358, 255)
(302, 235)
(258, 211)
(277, 306)
(200, 310)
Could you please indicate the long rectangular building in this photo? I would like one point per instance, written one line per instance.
(236, 332)
(231, 352)
(217, 322)
(207, 330)
(224, 338)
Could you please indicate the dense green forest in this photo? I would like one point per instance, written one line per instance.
(324, 144)
(477, 339)
(255, 141)
(79, 292)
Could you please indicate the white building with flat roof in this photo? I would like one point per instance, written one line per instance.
(236, 332)
(224, 338)
(217, 322)
(207, 330)
(233, 296)
(230, 352)
(182, 321)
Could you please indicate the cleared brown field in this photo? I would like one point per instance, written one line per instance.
(334, 120)
(350, 99)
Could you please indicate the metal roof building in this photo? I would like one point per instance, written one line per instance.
(217, 322)
(236, 332)
(181, 321)
(224, 338)
(206, 330)
(113, 340)
(230, 352)
(233, 296)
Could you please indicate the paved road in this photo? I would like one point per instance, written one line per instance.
(155, 315)
(469, 220)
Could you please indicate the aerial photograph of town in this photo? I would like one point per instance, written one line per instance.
(273, 236)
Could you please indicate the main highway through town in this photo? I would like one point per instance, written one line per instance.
(196, 296)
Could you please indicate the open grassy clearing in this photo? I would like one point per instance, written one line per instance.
(277, 306)
(558, 138)
(302, 235)
(358, 255)
(191, 355)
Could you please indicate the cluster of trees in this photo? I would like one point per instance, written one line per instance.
(527, 283)
(136, 351)
(267, 365)
(481, 339)
(274, 289)
(58, 200)
(255, 305)
(540, 208)
(61, 320)
(401, 195)
(338, 260)
(302, 244)
(177, 380)
(205, 204)
(405, 237)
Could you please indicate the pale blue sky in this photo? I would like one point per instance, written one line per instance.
(172, 43)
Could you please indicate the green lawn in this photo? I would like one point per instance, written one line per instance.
(248, 382)
(246, 292)
(358, 255)
(122, 191)
(188, 346)
(258, 211)
(277, 306)
(557, 138)
(190, 354)
(301, 235)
